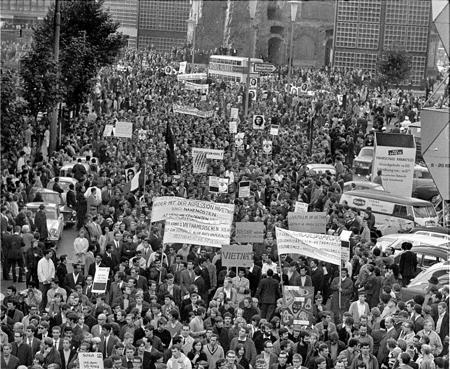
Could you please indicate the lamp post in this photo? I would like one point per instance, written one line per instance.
(294, 6)
(252, 4)
(195, 10)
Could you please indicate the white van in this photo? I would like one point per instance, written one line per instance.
(392, 213)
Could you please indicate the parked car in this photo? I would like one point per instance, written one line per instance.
(362, 185)
(64, 182)
(321, 168)
(66, 169)
(363, 162)
(52, 197)
(55, 220)
(427, 255)
(418, 285)
(395, 241)
(423, 184)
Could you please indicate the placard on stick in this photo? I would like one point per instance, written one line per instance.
(100, 280)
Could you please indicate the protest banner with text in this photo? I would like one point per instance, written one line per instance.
(250, 232)
(237, 256)
(313, 222)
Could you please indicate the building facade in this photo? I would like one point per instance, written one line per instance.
(365, 29)
(24, 11)
(126, 13)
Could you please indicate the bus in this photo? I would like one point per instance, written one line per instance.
(392, 213)
(230, 68)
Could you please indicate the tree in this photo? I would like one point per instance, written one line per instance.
(395, 66)
(88, 41)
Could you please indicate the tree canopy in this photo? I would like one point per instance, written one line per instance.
(88, 41)
(395, 67)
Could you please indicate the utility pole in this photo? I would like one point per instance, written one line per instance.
(55, 114)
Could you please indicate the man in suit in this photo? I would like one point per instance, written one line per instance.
(170, 288)
(71, 198)
(268, 293)
(116, 244)
(176, 268)
(115, 292)
(390, 333)
(57, 341)
(267, 355)
(12, 246)
(21, 350)
(66, 353)
(201, 285)
(111, 259)
(316, 277)
(96, 264)
(8, 361)
(31, 340)
(442, 322)
(187, 275)
(293, 277)
(254, 277)
(407, 264)
(305, 279)
(51, 353)
(108, 340)
(73, 279)
(140, 281)
(107, 193)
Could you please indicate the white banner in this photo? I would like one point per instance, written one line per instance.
(249, 232)
(397, 168)
(313, 222)
(234, 113)
(200, 158)
(182, 109)
(183, 66)
(218, 185)
(233, 127)
(123, 129)
(318, 246)
(197, 233)
(109, 130)
(212, 154)
(237, 256)
(244, 189)
(90, 360)
(239, 139)
(100, 280)
(191, 86)
(169, 207)
(192, 77)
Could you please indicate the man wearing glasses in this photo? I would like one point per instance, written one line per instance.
(231, 361)
(267, 355)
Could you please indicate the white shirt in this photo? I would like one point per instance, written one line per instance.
(45, 270)
(361, 308)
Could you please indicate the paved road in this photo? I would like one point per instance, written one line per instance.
(65, 247)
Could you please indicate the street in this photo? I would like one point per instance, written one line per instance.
(65, 247)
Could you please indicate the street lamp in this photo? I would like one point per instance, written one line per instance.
(294, 5)
(252, 4)
(194, 20)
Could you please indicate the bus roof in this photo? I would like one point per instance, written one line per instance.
(386, 196)
(236, 58)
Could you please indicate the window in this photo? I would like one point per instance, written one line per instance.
(400, 211)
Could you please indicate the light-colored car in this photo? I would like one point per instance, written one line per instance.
(363, 162)
(52, 197)
(321, 168)
(55, 220)
(64, 182)
(418, 285)
(426, 255)
(362, 185)
(423, 184)
(395, 240)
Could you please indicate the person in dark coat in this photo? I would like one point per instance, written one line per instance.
(79, 171)
(408, 264)
(21, 350)
(81, 207)
(268, 293)
(71, 199)
(12, 246)
(8, 361)
(373, 286)
(40, 222)
(201, 285)
(316, 277)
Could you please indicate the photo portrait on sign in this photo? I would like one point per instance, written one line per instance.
(252, 94)
(130, 173)
(258, 122)
(253, 82)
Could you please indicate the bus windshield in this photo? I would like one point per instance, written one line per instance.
(424, 212)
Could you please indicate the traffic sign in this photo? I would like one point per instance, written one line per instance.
(264, 68)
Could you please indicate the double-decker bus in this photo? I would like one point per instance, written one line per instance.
(230, 68)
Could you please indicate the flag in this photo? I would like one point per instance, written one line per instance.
(138, 181)
(171, 164)
(199, 163)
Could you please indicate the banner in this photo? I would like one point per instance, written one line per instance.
(250, 232)
(234, 113)
(395, 156)
(193, 231)
(170, 207)
(192, 77)
(244, 189)
(301, 207)
(183, 66)
(233, 127)
(90, 360)
(101, 278)
(345, 245)
(239, 140)
(274, 130)
(237, 256)
(123, 129)
(109, 130)
(318, 246)
(182, 109)
(130, 173)
(267, 146)
(200, 156)
(313, 222)
(218, 185)
(191, 86)
(299, 303)
(258, 122)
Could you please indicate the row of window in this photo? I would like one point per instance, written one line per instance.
(164, 15)
(358, 35)
(23, 5)
(161, 44)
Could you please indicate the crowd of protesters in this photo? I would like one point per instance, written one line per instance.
(175, 306)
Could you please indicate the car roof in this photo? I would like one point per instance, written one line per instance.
(440, 230)
(386, 196)
(33, 205)
(46, 190)
(362, 183)
(440, 252)
(367, 147)
(65, 179)
(423, 239)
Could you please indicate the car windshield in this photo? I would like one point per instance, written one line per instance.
(50, 213)
(424, 212)
(51, 198)
(366, 152)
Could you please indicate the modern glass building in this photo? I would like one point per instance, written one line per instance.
(364, 29)
(125, 12)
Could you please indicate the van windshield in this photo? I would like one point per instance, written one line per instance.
(424, 212)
